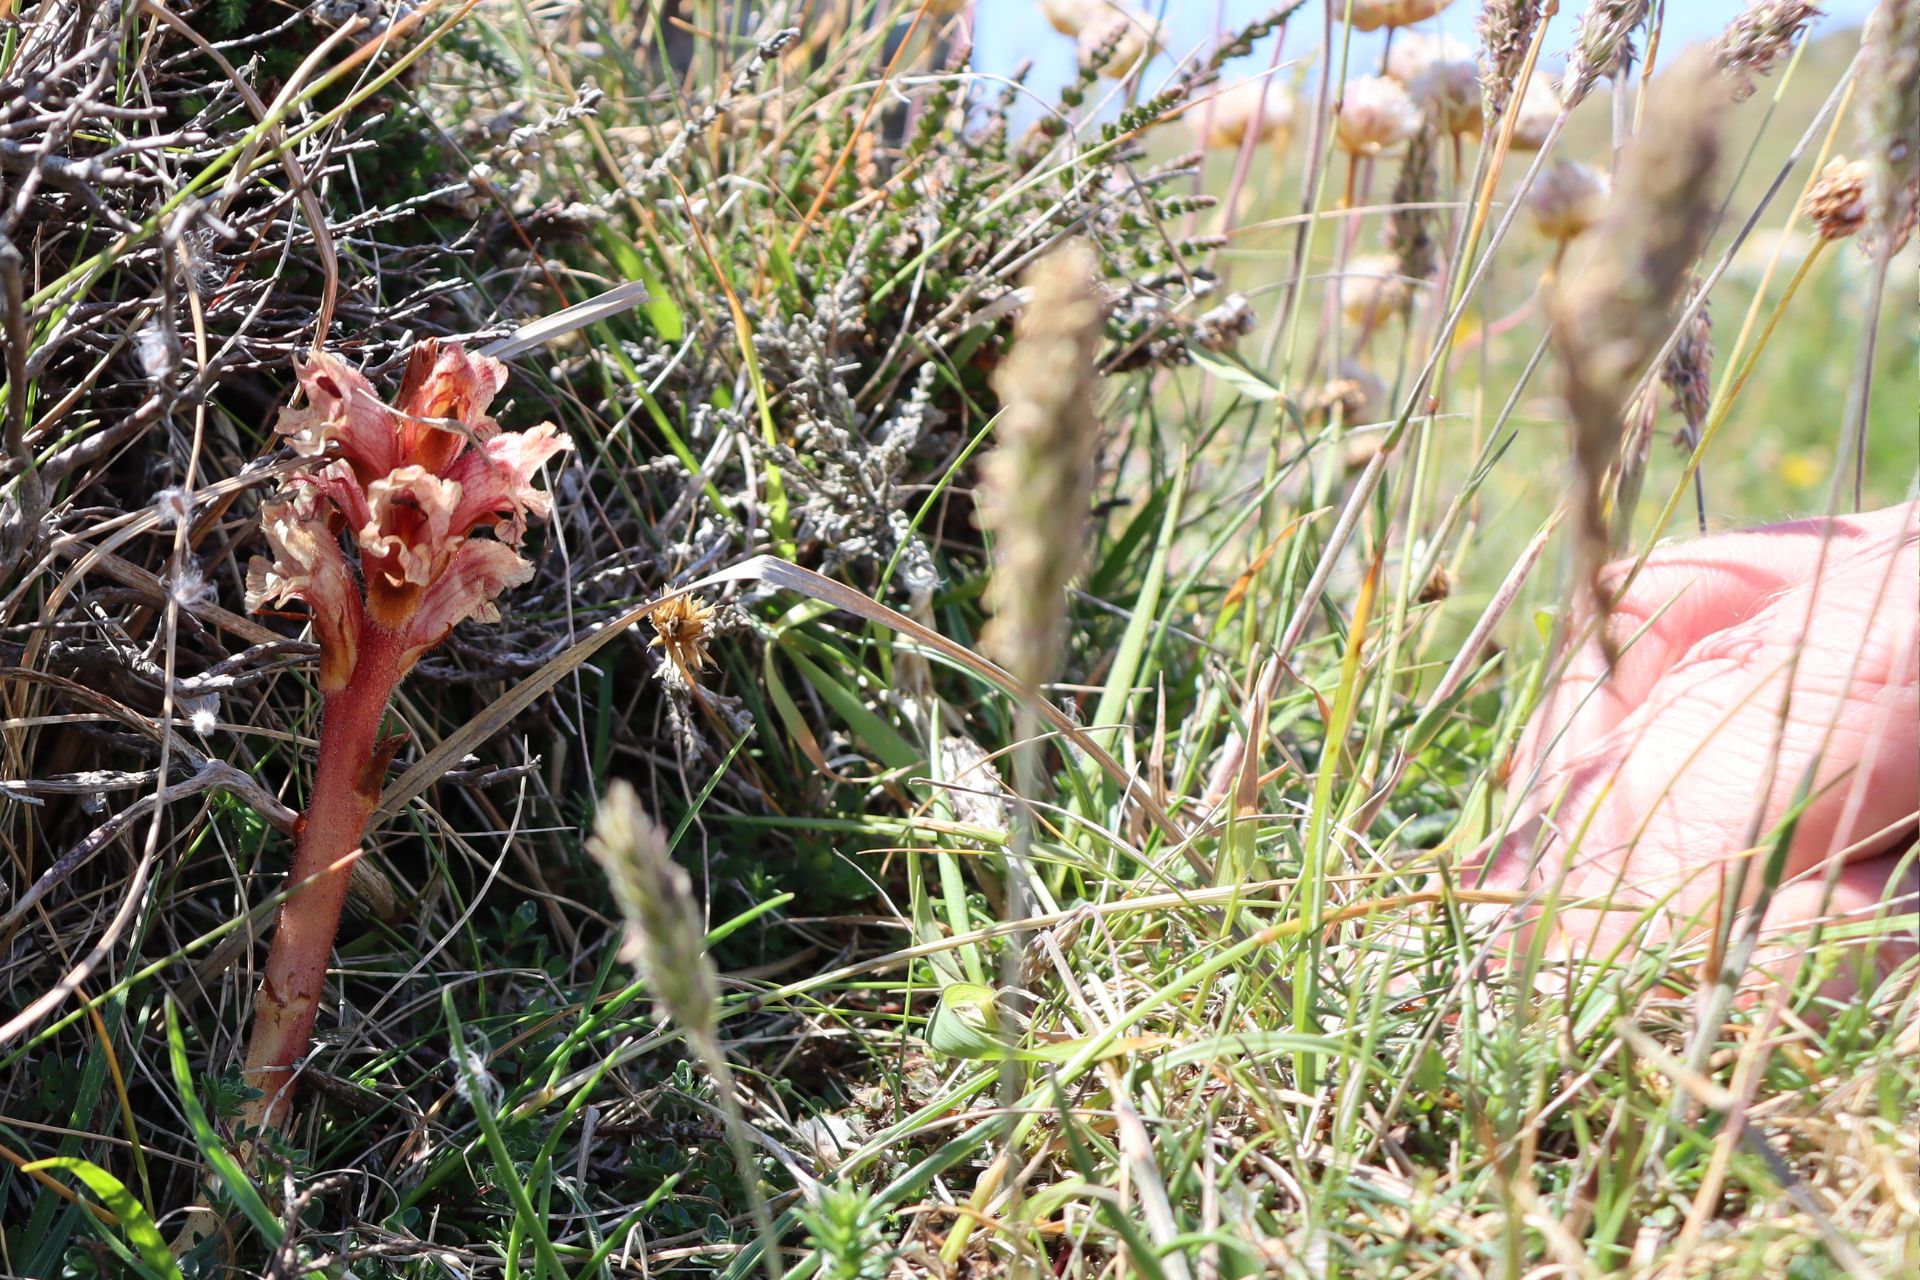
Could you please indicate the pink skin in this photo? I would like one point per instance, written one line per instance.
(1670, 763)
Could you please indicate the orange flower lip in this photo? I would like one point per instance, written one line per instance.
(411, 482)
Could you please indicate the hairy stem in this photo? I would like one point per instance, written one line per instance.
(346, 789)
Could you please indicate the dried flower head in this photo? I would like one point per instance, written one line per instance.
(1438, 586)
(1448, 90)
(1219, 327)
(1376, 115)
(1757, 39)
(1506, 31)
(1372, 15)
(1373, 289)
(1602, 46)
(1836, 203)
(1412, 53)
(1262, 109)
(1115, 40)
(1038, 482)
(1567, 199)
(1357, 396)
(1410, 225)
(664, 936)
(1688, 373)
(1536, 111)
(680, 629)
(411, 482)
(1888, 118)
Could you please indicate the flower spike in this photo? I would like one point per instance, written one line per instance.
(411, 484)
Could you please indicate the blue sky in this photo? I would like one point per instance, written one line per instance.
(1008, 31)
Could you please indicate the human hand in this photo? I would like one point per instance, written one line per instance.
(1643, 789)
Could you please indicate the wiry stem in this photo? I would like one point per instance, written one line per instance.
(346, 788)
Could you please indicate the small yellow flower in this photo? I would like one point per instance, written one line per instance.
(1802, 469)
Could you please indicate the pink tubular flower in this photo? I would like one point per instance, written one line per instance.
(411, 483)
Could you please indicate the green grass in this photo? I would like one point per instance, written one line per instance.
(1257, 1031)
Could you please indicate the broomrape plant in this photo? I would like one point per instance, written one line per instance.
(411, 484)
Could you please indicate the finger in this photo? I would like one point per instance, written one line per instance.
(1885, 889)
(1681, 595)
(1654, 810)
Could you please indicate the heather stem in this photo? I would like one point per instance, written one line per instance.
(346, 787)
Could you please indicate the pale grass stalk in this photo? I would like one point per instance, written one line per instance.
(665, 941)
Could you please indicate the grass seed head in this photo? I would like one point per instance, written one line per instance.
(1410, 225)
(664, 937)
(1836, 203)
(1889, 121)
(1613, 308)
(1038, 483)
(1506, 30)
(1688, 372)
(1602, 46)
(1757, 39)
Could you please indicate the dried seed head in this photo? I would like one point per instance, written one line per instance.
(1754, 41)
(1688, 372)
(1376, 115)
(1613, 309)
(1410, 225)
(1037, 484)
(681, 626)
(1218, 328)
(1261, 108)
(1357, 396)
(1602, 46)
(1371, 15)
(1373, 289)
(1567, 199)
(1438, 586)
(1506, 30)
(1888, 120)
(664, 936)
(1836, 203)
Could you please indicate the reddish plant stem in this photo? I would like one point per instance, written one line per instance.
(346, 788)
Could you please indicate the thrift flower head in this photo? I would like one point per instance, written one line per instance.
(1567, 199)
(411, 483)
(1376, 115)
(1412, 53)
(1118, 40)
(1371, 15)
(1255, 107)
(1374, 289)
(1449, 90)
(1536, 111)
(1071, 17)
